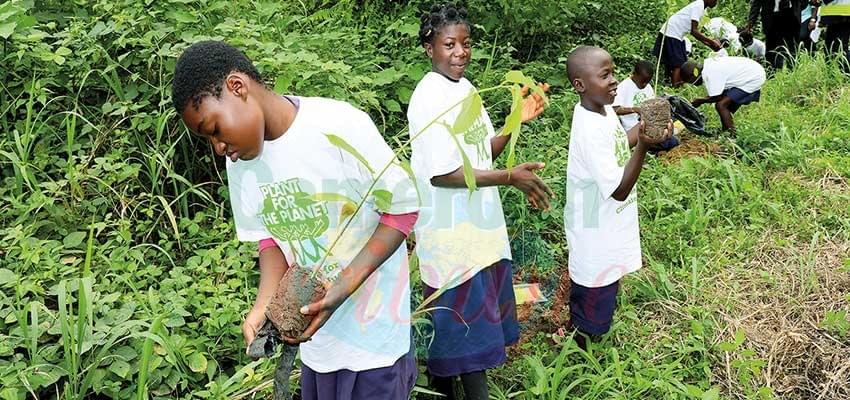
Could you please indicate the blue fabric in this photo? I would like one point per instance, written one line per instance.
(592, 309)
(741, 97)
(473, 322)
(390, 383)
(673, 54)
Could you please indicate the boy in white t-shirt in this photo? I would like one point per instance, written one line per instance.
(730, 82)
(670, 45)
(601, 214)
(752, 47)
(632, 91)
(282, 170)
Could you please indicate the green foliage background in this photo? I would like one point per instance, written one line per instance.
(120, 276)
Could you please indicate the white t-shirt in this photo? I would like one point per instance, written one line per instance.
(602, 233)
(273, 196)
(628, 95)
(756, 50)
(457, 234)
(723, 29)
(679, 23)
(723, 73)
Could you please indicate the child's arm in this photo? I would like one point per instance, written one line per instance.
(383, 243)
(272, 267)
(755, 8)
(532, 106)
(635, 164)
(712, 43)
(521, 177)
(620, 110)
(706, 100)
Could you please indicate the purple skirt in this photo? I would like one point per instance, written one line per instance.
(389, 383)
(473, 322)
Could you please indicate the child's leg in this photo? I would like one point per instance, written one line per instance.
(592, 310)
(444, 386)
(676, 77)
(475, 385)
(724, 110)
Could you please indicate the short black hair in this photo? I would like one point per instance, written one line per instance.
(201, 70)
(745, 38)
(690, 70)
(441, 15)
(644, 67)
(577, 60)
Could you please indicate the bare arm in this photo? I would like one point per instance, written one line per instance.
(631, 172)
(713, 44)
(273, 266)
(705, 100)
(620, 110)
(521, 177)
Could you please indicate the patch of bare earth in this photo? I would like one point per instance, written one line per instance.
(780, 299)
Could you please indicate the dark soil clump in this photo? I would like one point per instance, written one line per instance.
(296, 289)
(655, 112)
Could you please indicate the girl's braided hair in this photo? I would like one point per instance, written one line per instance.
(441, 15)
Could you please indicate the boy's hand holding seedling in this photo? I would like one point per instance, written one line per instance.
(635, 164)
(378, 249)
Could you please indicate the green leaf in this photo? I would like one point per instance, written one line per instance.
(342, 144)
(513, 124)
(183, 16)
(405, 165)
(74, 239)
(392, 105)
(383, 199)
(518, 77)
(712, 394)
(120, 367)
(58, 59)
(197, 362)
(63, 51)
(470, 111)
(7, 29)
(739, 337)
(282, 83)
(468, 173)
(7, 276)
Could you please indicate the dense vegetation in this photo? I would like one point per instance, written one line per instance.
(120, 276)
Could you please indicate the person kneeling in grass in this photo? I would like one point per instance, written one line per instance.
(730, 82)
(601, 213)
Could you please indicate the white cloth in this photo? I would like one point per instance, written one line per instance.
(776, 5)
(723, 29)
(457, 234)
(679, 23)
(723, 73)
(629, 95)
(278, 195)
(756, 50)
(602, 233)
(689, 46)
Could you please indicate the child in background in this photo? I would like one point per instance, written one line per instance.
(670, 45)
(730, 82)
(632, 91)
(752, 47)
(461, 238)
(601, 213)
(278, 160)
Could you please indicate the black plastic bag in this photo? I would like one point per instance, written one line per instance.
(688, 115)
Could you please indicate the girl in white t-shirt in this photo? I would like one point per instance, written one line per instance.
(280, 167)
(461, 239)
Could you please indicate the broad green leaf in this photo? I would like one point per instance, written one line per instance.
(120, 367)
(74, 239)
(392, 105)
(183, 16)
(197, 362)
(519, 78)
(383, 199)
(63, 51)
(470, 111)
(513, 125)
(7, 276)
(468, 173)
(332, 197)
(712, 394)
(405, 165)
(282, 83)
(7, 29)
(342, 144)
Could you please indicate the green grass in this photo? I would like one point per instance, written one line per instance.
(120, 276)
